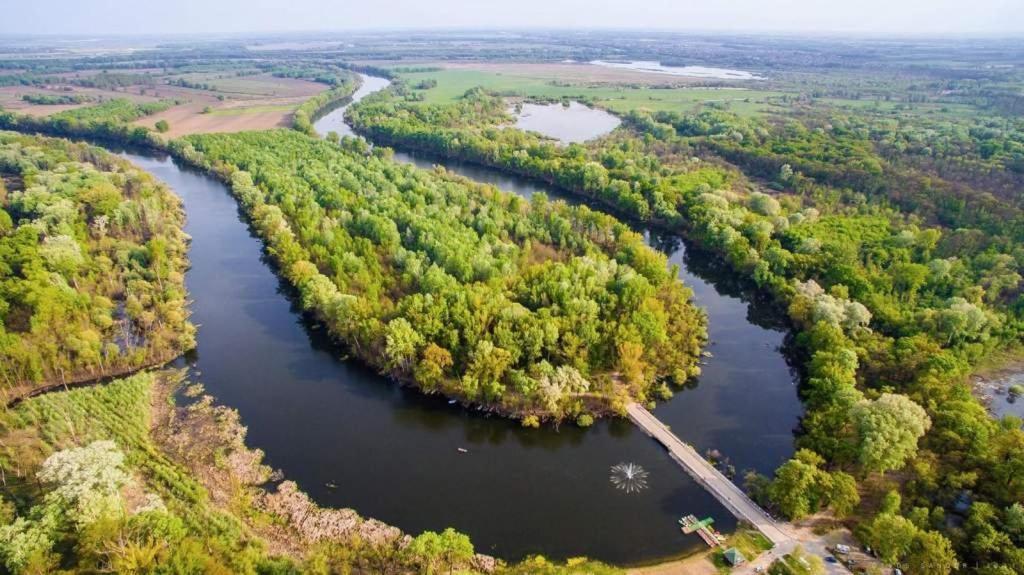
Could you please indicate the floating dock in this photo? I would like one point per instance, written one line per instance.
(703, 528)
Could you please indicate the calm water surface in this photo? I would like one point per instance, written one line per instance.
(688, 71)
(392, 453)
(567, 124)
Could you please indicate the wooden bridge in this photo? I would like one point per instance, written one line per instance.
(732, 497)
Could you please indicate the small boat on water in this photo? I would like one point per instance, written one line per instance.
(452, 401)
(463, 450)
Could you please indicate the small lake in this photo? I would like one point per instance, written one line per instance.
(653, 67)
(567, 124)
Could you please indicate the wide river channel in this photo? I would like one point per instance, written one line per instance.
(352, 438)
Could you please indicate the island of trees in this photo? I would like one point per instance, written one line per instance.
(533, 309)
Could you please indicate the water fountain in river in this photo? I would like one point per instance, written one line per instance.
(629, 477)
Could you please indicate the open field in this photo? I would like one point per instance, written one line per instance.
(11, 98)
(613, 89)
(190, 119)
(254, 86)
(235, 103)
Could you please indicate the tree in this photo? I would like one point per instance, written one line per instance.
(487, 368)
(401, 343)
(162, 126)
(6, 223)
(888, 429)
(764, 204)
(931, 553)
(843, 497)
(963, 321)
(631, 364)
(85, 484)
(456, 548)
(427, 550)
(795, 491)
(891, 536)
(1013, 522)
(86, 480)
(437, 550)
(63, 254)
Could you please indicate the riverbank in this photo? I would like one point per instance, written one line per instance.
(87, 380)
(209, 441)
(699, 564)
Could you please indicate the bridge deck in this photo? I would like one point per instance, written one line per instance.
(714, 481)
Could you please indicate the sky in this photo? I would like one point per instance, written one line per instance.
(876, 17)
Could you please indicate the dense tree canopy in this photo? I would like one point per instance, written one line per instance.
(92, 261)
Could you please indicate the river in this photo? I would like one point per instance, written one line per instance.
(352, 438)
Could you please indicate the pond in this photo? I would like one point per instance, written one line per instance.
(687, 71)
(1003, 391)
(566, 123)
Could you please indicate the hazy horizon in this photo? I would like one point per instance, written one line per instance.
(233, 17)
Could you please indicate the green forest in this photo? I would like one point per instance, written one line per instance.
(108, 121)
(92, 262)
